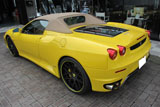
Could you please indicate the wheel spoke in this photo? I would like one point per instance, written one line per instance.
(80, 80)
(79, 85)
(73, 68)
(68, 65)
(72, 83)
(76, 85)
(67, 78)
(79, 75)
(65, 69)
(65, 74)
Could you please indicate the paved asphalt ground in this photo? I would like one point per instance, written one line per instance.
(24, 84)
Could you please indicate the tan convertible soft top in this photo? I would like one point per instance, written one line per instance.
(57, 24)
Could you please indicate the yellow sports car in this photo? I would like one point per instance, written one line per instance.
(82, 50)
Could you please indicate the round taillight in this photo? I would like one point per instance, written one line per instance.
(122, 50)
(112, 53)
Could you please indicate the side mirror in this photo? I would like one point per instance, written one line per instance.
(17, 30)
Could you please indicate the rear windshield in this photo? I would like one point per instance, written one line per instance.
(74, 20)
(101, 30)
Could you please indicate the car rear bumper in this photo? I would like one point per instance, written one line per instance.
(99, 84)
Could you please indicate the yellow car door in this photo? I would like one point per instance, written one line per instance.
(30, 37)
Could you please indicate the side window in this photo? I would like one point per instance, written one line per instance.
(35, 27)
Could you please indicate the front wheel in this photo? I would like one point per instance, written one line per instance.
(12, 48)
(74, 76)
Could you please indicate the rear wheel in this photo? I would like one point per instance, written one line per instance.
(12, 48)
(74, 76)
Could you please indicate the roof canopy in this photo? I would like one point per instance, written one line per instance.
(57, 24)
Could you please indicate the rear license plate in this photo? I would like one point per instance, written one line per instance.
(142, 62)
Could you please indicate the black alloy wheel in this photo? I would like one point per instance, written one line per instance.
(74, 76)
(12, 48)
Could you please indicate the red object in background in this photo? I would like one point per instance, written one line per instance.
(149, 33)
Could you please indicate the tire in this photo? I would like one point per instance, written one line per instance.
(13, 50)
(74, 76)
